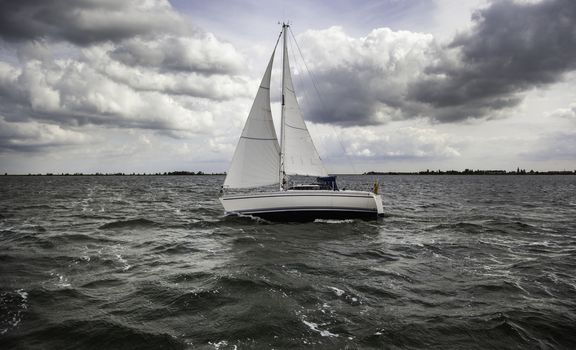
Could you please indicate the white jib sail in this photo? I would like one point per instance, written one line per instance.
(256, 161)
(300, 155)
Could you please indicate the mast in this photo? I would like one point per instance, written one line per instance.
(282, 131)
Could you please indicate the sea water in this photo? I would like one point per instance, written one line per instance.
(150, 262)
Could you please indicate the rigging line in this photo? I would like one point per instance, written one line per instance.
(300, 80)
(317, 89)
(314, 83)
(277, 41)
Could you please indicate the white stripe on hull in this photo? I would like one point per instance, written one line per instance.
(303, 201)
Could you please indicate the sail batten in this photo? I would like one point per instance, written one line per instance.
(257, 138)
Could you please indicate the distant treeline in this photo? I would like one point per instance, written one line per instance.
(425, 172)
(171, 173)
(476, 172)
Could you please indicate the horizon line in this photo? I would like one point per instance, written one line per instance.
(419, 172)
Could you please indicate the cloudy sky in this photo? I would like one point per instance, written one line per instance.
(403, 85)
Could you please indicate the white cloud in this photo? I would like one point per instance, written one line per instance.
(364, 80)
(37, 84)
(453, 16)
(197, 84)
(201, 52)
(567, 113)
(401, 142)
(31, 136)
(73, 93)
(138, 65)
(96, 89)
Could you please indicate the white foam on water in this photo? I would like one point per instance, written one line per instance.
(325, 307)
(348, 297)
(23, 294)
(116, 250)
(13, 318)
(124, 262)
(62, 281)
(221, 343)
(337, 291)
(314, 326)
(329, 221)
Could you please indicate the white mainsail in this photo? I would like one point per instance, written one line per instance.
(300, 155)
(256, 161)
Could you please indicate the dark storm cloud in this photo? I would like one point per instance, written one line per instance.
(83, 22)
(512, 47)
(340, 87)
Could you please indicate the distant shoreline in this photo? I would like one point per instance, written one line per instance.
(172, 173)
(427, 172)
(477, 172)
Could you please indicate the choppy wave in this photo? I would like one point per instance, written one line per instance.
(134, 223)
(151, 262)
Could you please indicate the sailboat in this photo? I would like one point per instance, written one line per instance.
(260, 160)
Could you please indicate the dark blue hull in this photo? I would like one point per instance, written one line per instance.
(311, 215)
